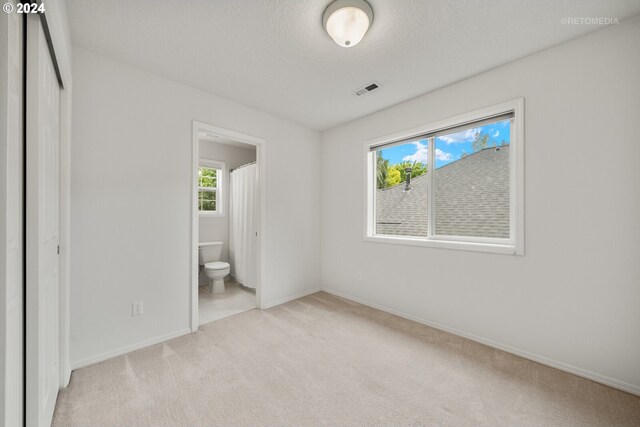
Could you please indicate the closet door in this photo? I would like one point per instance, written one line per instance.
(43, 117)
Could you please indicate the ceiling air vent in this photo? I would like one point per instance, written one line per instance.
(368, 88)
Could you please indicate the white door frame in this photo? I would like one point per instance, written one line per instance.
(11, 218)
(260, 145)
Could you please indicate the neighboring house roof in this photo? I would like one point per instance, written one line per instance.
(472, 199)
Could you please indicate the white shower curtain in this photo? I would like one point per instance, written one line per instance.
(243, 206)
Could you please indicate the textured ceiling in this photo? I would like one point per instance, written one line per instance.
(275, 56)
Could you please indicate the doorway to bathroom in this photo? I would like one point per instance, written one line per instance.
(227, 223)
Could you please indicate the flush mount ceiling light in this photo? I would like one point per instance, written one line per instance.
(347, 21)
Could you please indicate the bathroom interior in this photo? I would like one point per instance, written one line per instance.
(228, 214)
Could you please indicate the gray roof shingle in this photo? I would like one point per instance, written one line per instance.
(472, 199)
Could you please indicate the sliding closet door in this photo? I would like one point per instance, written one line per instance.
(11, 212)
(42, 153)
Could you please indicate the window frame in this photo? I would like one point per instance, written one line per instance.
(514, 245)
(219, 189)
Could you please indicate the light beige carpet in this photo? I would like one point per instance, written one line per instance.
(321, 360)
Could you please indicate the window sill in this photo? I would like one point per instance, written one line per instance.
(507, 249)
(210, 215)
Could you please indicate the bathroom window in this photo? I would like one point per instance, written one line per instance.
(210, 180)
(456, 184)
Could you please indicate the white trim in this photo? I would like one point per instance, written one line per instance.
(444, 244)
(193, 273)
(602, 379)
(261, 161)
(11, 217)
(514, 245)
(65, 233)
(431, 208)
(370, 166)
(207, 214)
(517, 176)
(212, 164)
(127, 349)
(290, 298)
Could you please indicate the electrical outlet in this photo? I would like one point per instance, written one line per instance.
(358, 276)
(137, 308)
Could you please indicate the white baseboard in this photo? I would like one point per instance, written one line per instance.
(127, 349)
(289, 298)
(65, 375)
(602, 379)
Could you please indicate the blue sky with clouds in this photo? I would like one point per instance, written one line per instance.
(448, 147)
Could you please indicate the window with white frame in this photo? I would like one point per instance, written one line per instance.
(210, 180)
(453, 184)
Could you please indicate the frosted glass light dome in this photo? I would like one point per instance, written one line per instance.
(347, 21)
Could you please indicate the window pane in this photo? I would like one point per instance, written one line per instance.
(471, 182)
(400, 212)
(207, 201)
(207, 177)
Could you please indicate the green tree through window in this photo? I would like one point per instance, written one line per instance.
(388, 176)
(207, 189)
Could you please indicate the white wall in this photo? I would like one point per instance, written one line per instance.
(573, 298)
(216, 228)
(131, 198)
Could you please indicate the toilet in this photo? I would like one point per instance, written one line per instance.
(209, 254)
